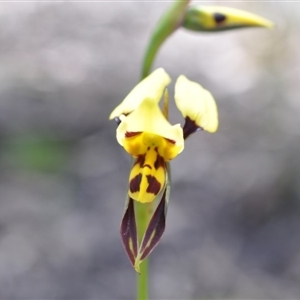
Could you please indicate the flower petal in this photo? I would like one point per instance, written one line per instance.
(196, 103)
(148, 118)
(150, 87)
(147, 177)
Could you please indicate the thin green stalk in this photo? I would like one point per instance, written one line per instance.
(143, 214)
(169, 22)
(142, 281)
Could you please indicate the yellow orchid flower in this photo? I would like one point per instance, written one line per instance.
(146, 134)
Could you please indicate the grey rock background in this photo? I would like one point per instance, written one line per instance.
(234, 217)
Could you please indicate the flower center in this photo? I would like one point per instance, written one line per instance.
(152, 140)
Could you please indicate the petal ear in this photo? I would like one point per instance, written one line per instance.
(151, 87)
(196, 104)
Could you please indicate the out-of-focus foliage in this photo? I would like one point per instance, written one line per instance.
(36, 153)
(233, 226)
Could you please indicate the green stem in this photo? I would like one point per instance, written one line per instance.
(142, 281)
(143, 214)
(169, 22)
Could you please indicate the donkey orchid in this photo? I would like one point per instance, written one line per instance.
(146, 134)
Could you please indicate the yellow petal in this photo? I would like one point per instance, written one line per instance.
(149, 120)
(147, 177)
(150, 87)
(216, 18)
(196, 103)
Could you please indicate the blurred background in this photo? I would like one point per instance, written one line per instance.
(234, 215)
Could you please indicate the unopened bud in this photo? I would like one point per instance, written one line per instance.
(218, 18)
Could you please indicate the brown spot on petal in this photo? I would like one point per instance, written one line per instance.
(129, 134)
(170, 141)
(160, 162)
(147, 166)
(135, 182)
(153, 185)
(140, 160)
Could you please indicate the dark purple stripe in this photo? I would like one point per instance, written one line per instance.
(128, 232)
(156, 226)
(131, 134)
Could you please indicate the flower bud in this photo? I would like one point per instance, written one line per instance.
(218, 18)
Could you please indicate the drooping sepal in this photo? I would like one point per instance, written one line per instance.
(219, 18)
(155, 229)
(128, 231)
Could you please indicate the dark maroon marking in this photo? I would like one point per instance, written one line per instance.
(135, 182)
(170, 141)
(153, 185)
(219, 18)
(156, 149)
(160, 162)
(140, 160)
(190, 127)
(148, 166)
(129, 134)
(148, 148)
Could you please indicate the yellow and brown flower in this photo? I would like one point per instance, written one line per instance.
(146, 134)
